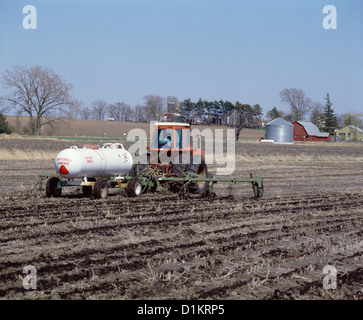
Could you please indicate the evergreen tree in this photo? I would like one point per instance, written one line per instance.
(331, 122)
(187, 110)
(274, 113)
(4, 125)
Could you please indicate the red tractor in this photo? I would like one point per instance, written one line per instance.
(172, 153)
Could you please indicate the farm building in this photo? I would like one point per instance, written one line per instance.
(307, 131)
(258, 123)
(279, 130)
(350, 133)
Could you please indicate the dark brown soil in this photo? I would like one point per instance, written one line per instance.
(159, 246)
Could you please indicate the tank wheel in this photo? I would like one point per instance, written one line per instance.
(100, 189)
(134, 187)
(51, 188)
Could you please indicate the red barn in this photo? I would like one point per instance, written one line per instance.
(307, 131)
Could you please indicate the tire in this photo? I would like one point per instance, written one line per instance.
(177, 170)
(198, 187)
(195, 187)
(100, 189)
(51, 188)
(134, 187)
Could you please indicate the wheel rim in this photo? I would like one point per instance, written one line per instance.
(138, 188)
(104, 191)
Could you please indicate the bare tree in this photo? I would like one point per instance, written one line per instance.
(39, 92)
(114, 110)
(140, 113)
(243, 117)
(127, 112)
(317, 115)
(120, 111)
(85, 113)
(298, 102)
(3, 107)
(154, 107)
(351, 119)
(99, 109)
(124, 108)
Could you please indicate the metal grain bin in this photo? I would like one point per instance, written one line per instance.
(279, 130)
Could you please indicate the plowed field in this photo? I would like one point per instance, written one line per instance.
(159, 246)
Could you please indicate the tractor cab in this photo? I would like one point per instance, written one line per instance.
(171, 153)
(169, 140)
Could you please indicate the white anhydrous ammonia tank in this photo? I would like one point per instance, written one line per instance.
(110, 160)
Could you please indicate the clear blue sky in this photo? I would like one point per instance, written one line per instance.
(210, 49)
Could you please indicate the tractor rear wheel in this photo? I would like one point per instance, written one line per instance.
(142, 167)
(178, 170)
(201, 169)
(195, 187)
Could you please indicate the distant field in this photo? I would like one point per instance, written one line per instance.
(14, 147)
(106, 129)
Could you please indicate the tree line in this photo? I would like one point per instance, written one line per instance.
(322, 115)
(45, 97)
(157, 108)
